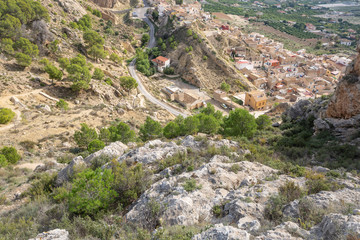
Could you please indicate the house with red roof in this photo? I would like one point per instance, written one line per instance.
(161, 63)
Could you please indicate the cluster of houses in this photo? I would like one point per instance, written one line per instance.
(287, 76)
(284, 76)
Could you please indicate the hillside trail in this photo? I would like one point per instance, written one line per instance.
(6, 103)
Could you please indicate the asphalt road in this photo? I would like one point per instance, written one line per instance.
(132, 69)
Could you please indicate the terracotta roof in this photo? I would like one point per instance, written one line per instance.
(163, 59)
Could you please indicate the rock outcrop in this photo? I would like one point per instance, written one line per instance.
(56, 234)
(346, 101)
(73, 7)
(105, 3)
(113, 150)
(221, 232)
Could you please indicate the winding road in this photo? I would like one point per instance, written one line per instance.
(141, 12)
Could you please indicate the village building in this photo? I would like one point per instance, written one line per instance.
(161, 63)
(256, 100)
(186, 99)
(222, 97)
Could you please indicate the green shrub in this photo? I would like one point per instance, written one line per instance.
(54, 72)
(273, 208)
(85, 135)
(42, 185)
(217, 210)
(115, 58)
(62, 104)
(150, 130)
(95, 145)
(3, 161)
(7, 46)
(120, 132)
(91, 192)
(98, 74)
(191, 185)
(130, 181)
(26, 47)
(171, 130)
(235, 168)
(6, 115)
(225, 87)
(290, 191)
(23, 59)
(205, 58)
(108, 81)
(263, 121)
(10, 154)
(169, 70)
(240, 123)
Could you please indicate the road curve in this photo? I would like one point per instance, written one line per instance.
(141, 87)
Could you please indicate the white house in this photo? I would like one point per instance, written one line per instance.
(241, 64)
(345, 42)
(161, 63)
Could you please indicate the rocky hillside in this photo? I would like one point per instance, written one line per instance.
(232, 197)
(346, 101)
(200, 63)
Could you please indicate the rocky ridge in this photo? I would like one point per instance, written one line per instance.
(240, 189)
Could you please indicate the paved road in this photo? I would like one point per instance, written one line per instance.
(142, 15)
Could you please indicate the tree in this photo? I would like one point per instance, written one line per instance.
(171, 130)
(98, 74)
(225, 87)
(263, 121)
(6, 115)
(145, 39)
(93, 38)
(25, 46)
(163, 46)
(79, 73)
(85, 135)
(91, 192)
(189, 32)
(150, 130)
(208, 124)
(240, 123)
(190, 126)
(95, 145)
(128, 83)
(97, 52)
(54, 72)
(10, 154)
(7, 45)
(64, 63)
(9, 26)
(23, 59)
(115, 58)
(120, 132)
(179, 2)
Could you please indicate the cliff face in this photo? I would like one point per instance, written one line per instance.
(105, 3)
(346, 100)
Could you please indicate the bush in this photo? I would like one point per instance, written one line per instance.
(150, 130)
(169, 70)
(98, 74)
(6, 115)
(62, 104)
(240, 123)
(23, 59)
(115, 58)
(217, 210)
(91, 192)
(120, 132)
(290, 191)
(130, 181)
(225, 87)
(54, 72)
(25, 46)
(273, 208)
(128, 83)
(7, 45)
(190, 185)
(42, 185)
(205, 58)
(10, 154)
(95, 145)
(171, 130)
(263, 121)
(3, 161)
(235, 168)
(85, 135)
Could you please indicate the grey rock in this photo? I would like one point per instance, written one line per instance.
(56, 234)
(249, 223)
(73, 7)
(44, 107)
(336, 226)
(114, 150)
(221, 232)
(65, 174)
